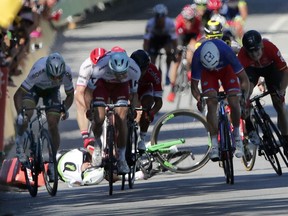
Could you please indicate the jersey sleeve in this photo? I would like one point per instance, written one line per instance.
(275, 54)
(231, 58)
(84, 73)
(196, 66)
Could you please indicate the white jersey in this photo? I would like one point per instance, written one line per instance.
(152, 31)
(85, 72)
(102, 71)
(38, 77)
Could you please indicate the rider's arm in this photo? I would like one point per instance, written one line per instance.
(18, 98)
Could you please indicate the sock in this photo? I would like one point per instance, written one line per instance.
(121, 154)
(214, 141)
(84, 134)
(142, 135)
(236, 131)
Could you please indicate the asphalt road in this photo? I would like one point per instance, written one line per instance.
(259, 192)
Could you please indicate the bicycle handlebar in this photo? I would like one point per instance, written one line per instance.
(258, 97)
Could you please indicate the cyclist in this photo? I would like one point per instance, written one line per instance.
(84, 75)
(149, 92)
(188, 28)
(110, 79)
(214, 60)
(80, 92)
(160, 33)
(236, 13)
(214, 29)
(261, 58)
(44, 80)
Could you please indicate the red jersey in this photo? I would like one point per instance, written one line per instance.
(181, 27)
(271, 55)
(151, 79)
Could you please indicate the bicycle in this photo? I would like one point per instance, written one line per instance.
(225, 137)
(182, 124)
(109, 144)
(40, 152)
(271, 139)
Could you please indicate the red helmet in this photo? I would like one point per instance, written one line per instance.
(96, 54)
(188, 12)
(214, 4)
(117, 49)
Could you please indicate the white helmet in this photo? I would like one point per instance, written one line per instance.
(209, 55)
(160, 10)
(93, 175)
(119, 62)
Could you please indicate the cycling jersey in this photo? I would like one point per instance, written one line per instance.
(150, 83)
(182, 28)
(227, 57)
(153, 31)
(37, 77)
(271, 55)
(102, 71)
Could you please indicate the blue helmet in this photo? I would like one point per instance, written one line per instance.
(119, 62)
(55, 66)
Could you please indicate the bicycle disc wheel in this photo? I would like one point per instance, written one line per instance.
(249, 156)
(49, 163)
(190, 126)
(31, 170)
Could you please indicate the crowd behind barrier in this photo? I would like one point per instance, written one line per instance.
(29, 36)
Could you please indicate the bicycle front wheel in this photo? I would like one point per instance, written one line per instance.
(182, 124)
(31, 170)
(249, 156)
(49, 163)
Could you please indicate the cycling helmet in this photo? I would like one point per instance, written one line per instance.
(119, 62)
(214, 4)
(160, 10)
(188, 12)
(96, 54)
(209, 55)
(141, 57)
(252, 40)
(213, 29)
(117, 49)
(55, 66)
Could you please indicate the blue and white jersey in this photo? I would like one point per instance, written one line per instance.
(227, 57)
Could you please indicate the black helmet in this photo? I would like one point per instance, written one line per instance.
(141, 57)
(252, 40)
(213, 29)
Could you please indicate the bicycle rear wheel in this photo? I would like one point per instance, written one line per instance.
(31, 170)
(131, 156)
(110, 166)
(182, 84)
(190, 126)
(47, 153)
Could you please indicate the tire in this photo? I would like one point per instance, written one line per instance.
(188, 125)
(110, 167)
(131, 155)
(226, 152)
(47, 154)
(31, 170)
(249, 158)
